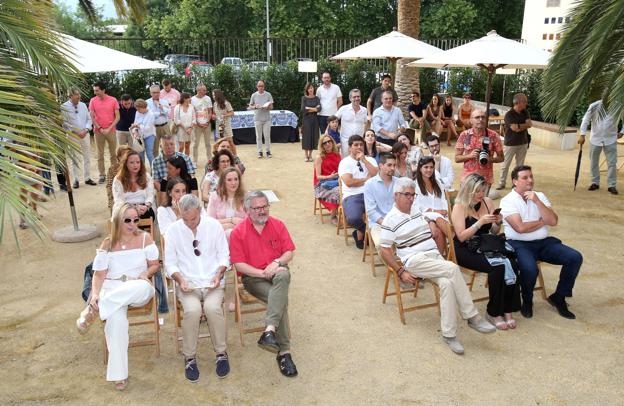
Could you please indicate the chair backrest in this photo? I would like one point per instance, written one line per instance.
(450, 235)
(450, 195)
(147, 225)
(340, 189)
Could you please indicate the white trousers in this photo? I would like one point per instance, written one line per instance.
(85, 148)
(263, 127)
(115, 298)
(454, 292)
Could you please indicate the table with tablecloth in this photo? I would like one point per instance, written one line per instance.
(283, 127)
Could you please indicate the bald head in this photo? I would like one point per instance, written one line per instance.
(477, 118)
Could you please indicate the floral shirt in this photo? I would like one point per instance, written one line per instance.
(467, 142)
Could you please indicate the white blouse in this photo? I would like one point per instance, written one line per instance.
(166, 216)
(127, 262)
(141, 196)
(185, 119)
(425, 200)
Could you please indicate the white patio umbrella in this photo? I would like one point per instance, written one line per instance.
(392, 46)
(490, 53)
(88, 57)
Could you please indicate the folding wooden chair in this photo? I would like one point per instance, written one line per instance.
(144, 315)
(147, 225)
(318, 208)
(399, 292)
(370, 250)
(178, 315)
(251, 304)
(342, 220)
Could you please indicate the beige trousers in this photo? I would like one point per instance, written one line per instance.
(208, 302)
(454, 293)
(124, 138)
(201, 132)
(100, 141)
(160, 131)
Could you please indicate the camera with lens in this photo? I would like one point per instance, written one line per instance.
(484, 153)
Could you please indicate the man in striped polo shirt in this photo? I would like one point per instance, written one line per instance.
(408, 229)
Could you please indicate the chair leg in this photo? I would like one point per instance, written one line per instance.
(156, 326)
(366, 245)
(397, 289)
(385, 292)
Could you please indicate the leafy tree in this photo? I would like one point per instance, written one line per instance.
(77, 24)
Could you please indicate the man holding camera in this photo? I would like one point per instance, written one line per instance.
(478, 149)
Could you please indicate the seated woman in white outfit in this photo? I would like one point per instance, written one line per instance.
(122, 268)
(430, 198)
(226, 203)
(134, 185)
(170, 212)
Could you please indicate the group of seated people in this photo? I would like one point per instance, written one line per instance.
(202, 237)
(409, 211)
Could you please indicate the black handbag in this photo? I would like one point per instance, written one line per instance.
(487, 243)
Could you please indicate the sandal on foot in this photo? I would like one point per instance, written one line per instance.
(85, 320)
(500, 324)
(511, 322)
(121, 385)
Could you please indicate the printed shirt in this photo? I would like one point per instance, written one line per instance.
(476, 142)
(159, 166)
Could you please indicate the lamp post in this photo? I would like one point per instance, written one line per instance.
(268, 35)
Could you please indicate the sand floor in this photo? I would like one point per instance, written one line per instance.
(348, 346)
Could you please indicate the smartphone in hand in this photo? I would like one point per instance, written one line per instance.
(496, 212)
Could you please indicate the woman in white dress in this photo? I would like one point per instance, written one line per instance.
(122, 267)
(134, 185)
(170, 212)
(430, 198)
(185, 119)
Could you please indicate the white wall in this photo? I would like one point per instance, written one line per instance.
(533, 26)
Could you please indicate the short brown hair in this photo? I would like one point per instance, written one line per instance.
(140, 103)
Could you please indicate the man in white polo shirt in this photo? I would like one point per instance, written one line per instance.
(331, 99)
(354, 170)
(352, 118)
(408, 229)
(527, 215)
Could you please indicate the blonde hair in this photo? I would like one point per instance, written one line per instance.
(119, 210)
(140, 103)
(320, 145)
(471, 185)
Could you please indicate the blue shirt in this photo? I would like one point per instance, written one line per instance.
(378, 198)
(388, 120)
(161, 113)
(334, 134)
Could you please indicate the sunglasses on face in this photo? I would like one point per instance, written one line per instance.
(196, 251)
(327, 142)
(129, 220)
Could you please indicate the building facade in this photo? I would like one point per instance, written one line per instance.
(543, 22)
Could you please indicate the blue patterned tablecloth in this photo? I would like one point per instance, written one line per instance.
(245, 119)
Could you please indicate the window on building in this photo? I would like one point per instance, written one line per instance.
(553, 3)
(551, 36)
(546, 20)
(567, 20)
(560, 20)
(544, 36)
(558, 36)
(553, 20)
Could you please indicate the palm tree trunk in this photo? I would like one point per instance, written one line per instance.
(406, 79)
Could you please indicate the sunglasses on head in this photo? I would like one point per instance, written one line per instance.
(196, 251)
(129, 220)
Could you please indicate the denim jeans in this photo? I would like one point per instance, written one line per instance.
(149, 148)
(552, 251)
(353, 207)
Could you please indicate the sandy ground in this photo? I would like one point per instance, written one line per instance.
(348, 346)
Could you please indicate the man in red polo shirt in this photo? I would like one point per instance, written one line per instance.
(261, 248)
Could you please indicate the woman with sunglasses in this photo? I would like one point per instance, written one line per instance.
(402, 168)
(433, 114)
(122, 267)
(170, 212)
(326, 175)
(448, 122)
(473, 214)
(430, 198)
(372, 148)
(220, 161)
(226, 203)
(465, 110)
(134, 185)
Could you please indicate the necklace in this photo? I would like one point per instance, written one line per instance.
(123, 244)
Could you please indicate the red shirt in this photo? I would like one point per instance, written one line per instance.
(104, 110)
(259, 250)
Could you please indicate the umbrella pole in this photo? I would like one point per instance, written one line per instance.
(488, 93)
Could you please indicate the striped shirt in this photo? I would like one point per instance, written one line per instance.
(410, 233)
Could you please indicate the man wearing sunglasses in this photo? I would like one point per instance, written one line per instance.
(354, 170)
(196, 257)
(261, 248)
(472, 142)
(408, 230)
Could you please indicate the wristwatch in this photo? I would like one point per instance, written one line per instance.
(278, 262)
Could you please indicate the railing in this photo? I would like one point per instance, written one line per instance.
(250, 49)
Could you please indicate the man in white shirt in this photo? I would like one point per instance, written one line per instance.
(408, 230)
(196, 257)
(443, 165)
(388, 121)
(354, 170)
(161, 109)
(352, 118)
(77, 121)
(604, 136)
(331, 99)
(527, 215)
(203, 111)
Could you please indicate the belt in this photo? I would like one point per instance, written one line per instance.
(160, 125)
(123, 278)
